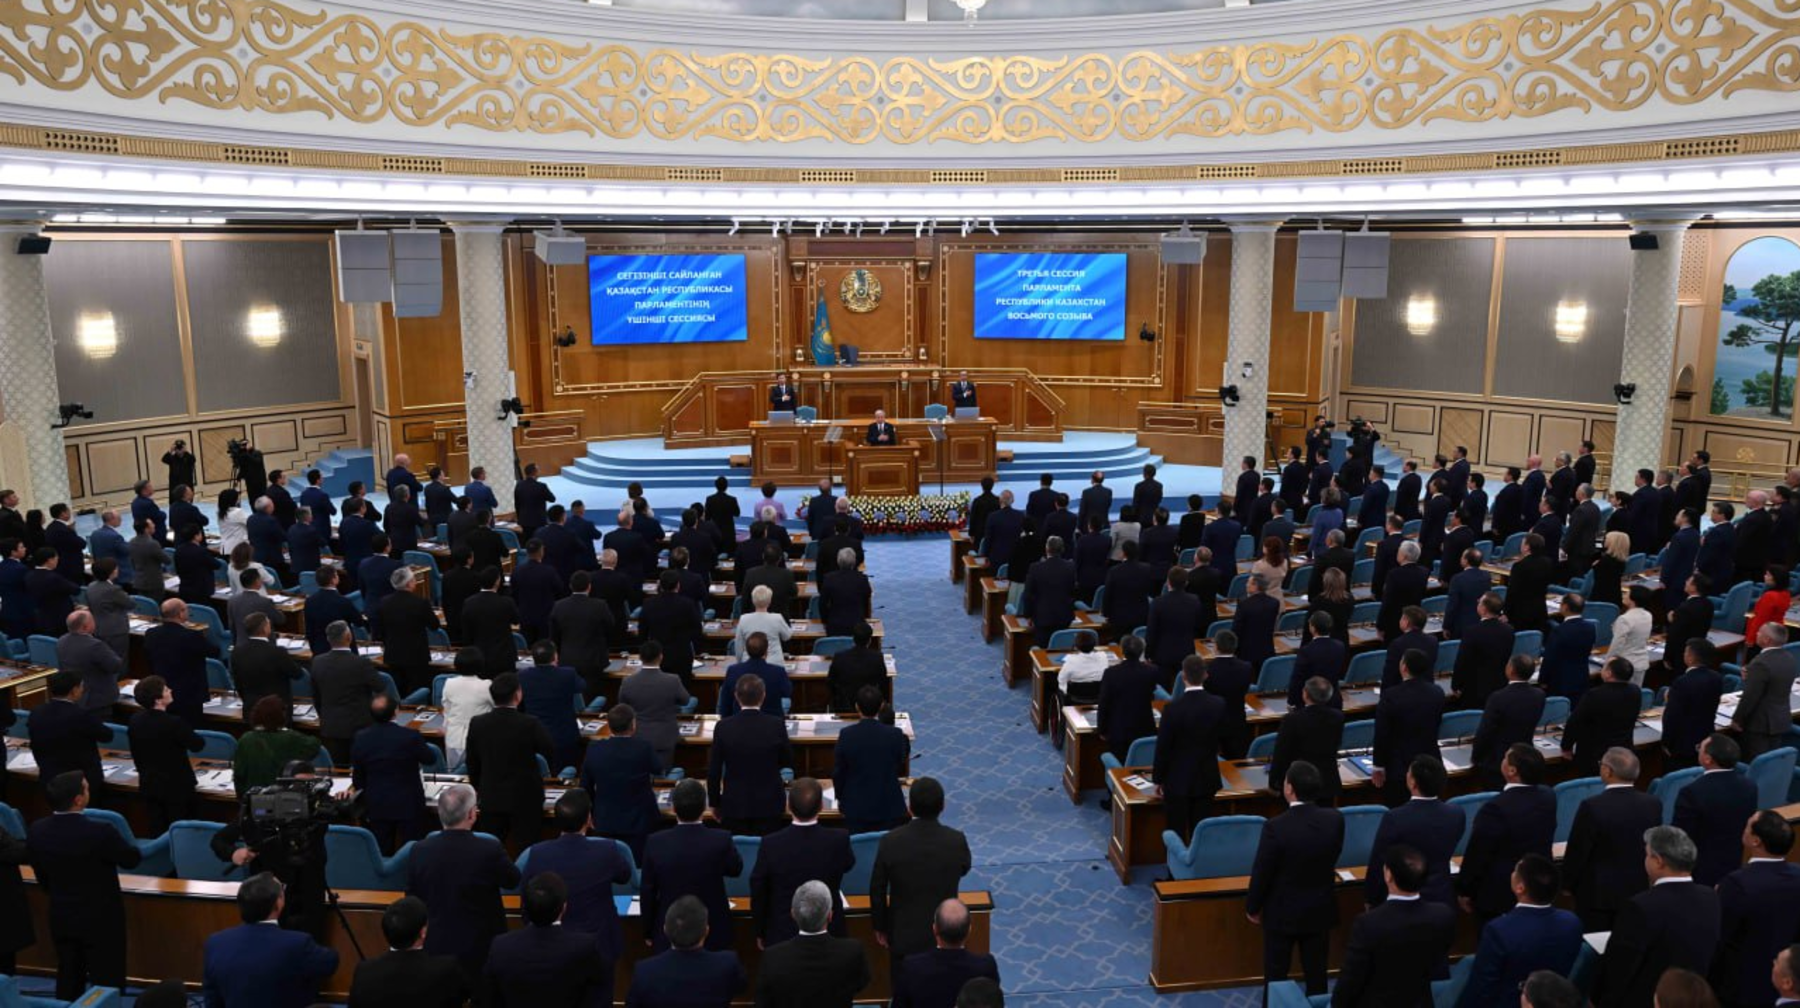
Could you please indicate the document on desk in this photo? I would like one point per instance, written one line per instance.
(292, 643)
(20, 759)
(1456, 757)
(1597, 941)
(1141, 782)
(689, 729)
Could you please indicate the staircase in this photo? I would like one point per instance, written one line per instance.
(1076, 458)
(339, 468)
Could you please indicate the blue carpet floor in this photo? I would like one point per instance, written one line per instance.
(1065, 931)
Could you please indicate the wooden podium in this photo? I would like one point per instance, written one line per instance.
(798, 455)
(881, 470)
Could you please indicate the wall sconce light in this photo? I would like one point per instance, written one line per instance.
(1624, 391)
(97, 335)
(1421, 314)
(566, 338)
(1571, 321)
(265, 326)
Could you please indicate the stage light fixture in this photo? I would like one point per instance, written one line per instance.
(1228, 396)
(1624, 391)
(69, 412)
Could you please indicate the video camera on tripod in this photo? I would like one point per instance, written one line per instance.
(286, 821)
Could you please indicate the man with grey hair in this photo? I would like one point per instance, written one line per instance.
(1254, 622)
(86, 655)
(1004, 526)
(846, 598)
(1672, 924)
(1312, 733)
(459, 874)
(1580, 540)
(1561, 488)
(407, 620)
(933, 978)
(1404, 586)
(343, 684)
(1762, 713)
(814, 969)
(250, 599)
(1603, 865)
(267, 536)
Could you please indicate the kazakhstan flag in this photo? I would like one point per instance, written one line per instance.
(824, 351)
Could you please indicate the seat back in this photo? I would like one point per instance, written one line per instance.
(121, 737)
(747, 847)
(190, 849)
(1365, 667)
(388, 686)
(1299, 578)
(1262, 746)
(1142, 752)
(1273, 678)
(19, 729)
(1471, 805)
(215, 626)
(1246, 546)
(1602, 614)
(353, 860)
(1669, 785)
(1436, 604)
(1360, 824)
(1737, 604)
(1217, 625)
(216, 745)
(1528, 642)
(12, 822)
(1064, 640)
(1358, 734)
(1289, 621)
(420, 558)
(41, 650)
(1513, 545)
(509, 538)
(806, 413)
(1223, 846)
(1446, 657)
(863, 846)
(1361, 546)
(1569, 796)
(1772, 772)
(1239, 586)
(437, 688)
(145, 607)
(1363, 573)
(1556, 711)
(218, 676)
(936, 411)
(1365, 612)
(309, 584)
(825, 647)
(1458, 724)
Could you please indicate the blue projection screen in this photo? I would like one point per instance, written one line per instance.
(1050, 295)
(668, 298)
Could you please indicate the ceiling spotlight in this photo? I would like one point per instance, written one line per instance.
(1624, 391)
(1228, 396)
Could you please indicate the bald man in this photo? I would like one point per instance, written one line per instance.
(178, 653)
(86, 655)
(1755, 538)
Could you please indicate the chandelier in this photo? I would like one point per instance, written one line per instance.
(971, 9)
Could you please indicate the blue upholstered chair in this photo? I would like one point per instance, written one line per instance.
(1360, 823)
(1569, 796)
(1669, 785)
(1365, 667)
(1556, 711)
(747, 847)
(155, 852)
(216, 745)
(1223, 847)
(1142, 752)
(1471, 805)
(863, 846)
(1772, 772)
(1458, 724)
(353, 860)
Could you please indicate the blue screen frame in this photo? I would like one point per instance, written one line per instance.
(657, 298)
(1050, 295)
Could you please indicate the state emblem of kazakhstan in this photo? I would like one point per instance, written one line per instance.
(860, 291)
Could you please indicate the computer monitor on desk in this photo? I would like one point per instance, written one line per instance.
(781, 417)
(968, 413)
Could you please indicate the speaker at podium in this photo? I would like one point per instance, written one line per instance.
(882, 470)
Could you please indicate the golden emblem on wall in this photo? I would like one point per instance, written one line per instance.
(860, 291)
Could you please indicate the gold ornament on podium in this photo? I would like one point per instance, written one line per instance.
(860, 291)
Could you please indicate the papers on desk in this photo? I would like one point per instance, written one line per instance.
(712, 625)
(689, 729)
(1458, 762)
(721, 589)
(1597, 941)
(1547, 743)
(1346, 875)
(443, 656)
(113, 769)
(1363, 765)
(292, 643)
(304, 710)
(800, 625)
(213, 780)
(139, 624)
(628, 906)
(280, 599)
(369, 650)
(21, 760)
(1141, 783)
(340, 786)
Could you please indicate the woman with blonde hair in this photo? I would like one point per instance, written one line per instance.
(1609, 568)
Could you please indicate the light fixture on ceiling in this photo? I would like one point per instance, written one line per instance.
(1571, 321)
(971, 9)
(265, 326)
(97, 334)
(1421, 314)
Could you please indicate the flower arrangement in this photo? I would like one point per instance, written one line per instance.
(909, 514)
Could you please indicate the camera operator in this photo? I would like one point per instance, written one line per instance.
(1364, 437)
(1318, 440)
(181, 465)
(247, 459)
(291, 846)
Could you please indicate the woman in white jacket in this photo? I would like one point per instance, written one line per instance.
(231, 521)
(466, 697)
(772, 625)
(1631, 633)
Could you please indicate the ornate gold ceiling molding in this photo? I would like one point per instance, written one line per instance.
(277, 59)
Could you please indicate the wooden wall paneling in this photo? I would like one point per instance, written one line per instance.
(691, 419)
(1508, 439)
(1736, 448)
(425, 354)
(72, 459)
(1459, 426)
(215, 462)
(1410, 418)
(1558, 433)
(325, 426)
(114, 465)
(275, 436)
(887, 334)
(734, 406)
(1602, 432)
(1375, 411)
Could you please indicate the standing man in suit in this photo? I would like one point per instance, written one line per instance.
(1254, 622)
(481, 496)
(1759, 913)
(658, 698)
(1434, 517)
(1405, 587)
(531, 501)
(64, 735)
(1603, 863)
(1147, 495)
(77, 861)
(854, 667)
(400, 475)
(588, 868)
(260, 963)
(1220, 538)
(343, 684)
(784, 397)
(1510, 717)
(1406, 726)
(1579, 539)
(962, 393)
(617, 773)
(1248, 479)
(1527, 584)
(674, 621)
(1683, 550)
(439, 499)
(690, 971)
(1096, 500)
(149, 564)
(86, 655)
(743, 777)
(582, 629)
(251, 600)
(1691, 620)
(1534, 935)
(260, 667)
(814, 968)
(1531, 490)
(1004, 526)
(1718, 547)
(459, 873)
(406, 972)
(846, 597)
(487, 621)
(1424, 823)
(318, 504)
(160, 746)
(1177, 619)
(868, 761)
(1520, 820)
(1311, 734)
(403, 522)
(1563, 669)
(536, 586)
(1481, 659)
(880, 431)
(178, 653)
(385, 759)
(1412, 637)
(934, 979)
(145, 508)
(689, 861)
(106, 542)
(1710, 809)
(502, 753)
(1187, 750)
(1127, 693)
(375, 578)
(306, 547)
(1396, 948)
(1293, 881)
(1763, 713)
(1040, 502)
(1406, 492)
(917, 867)
(1463, 603)
(551, 694)
(327, 606)
(1691, 706)
(1755, 535)
(791, 857)
(1672, 924)
(407, 620)
(1509, 516)
(1129, 587)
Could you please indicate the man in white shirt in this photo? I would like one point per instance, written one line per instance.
(1087, 664)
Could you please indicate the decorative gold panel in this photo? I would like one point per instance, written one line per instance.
(270, 57)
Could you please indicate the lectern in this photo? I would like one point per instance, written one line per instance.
(882, 470)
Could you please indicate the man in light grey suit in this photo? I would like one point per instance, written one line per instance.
(658, 697)
(148, 562)
(80, 652)
(111, 607)
(252, 600)
(1763, 712)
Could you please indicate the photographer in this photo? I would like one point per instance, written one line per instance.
(248, 462)
(181, 465)
(1318, 440)
(281, 829)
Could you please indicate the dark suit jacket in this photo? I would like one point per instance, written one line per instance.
(1461, 609)
(77, 861)
(674, 622)
(550, 695)
(1759, 915)
(1417, 640)
(1311, 734)
(1431, 827)
(487, 619)
(984, 505)
(1146, 497)
(917, 866)
(1254, 623)
(868, 760)
(617, 773)
(1394, 951)
(882, 433)
(1158, 547)
(406, 619)
(459, 875)
(1176, 620)
(689, 860)
(1324, 657)
(1679, 557)
(1095, 500)
(1691, 619)
(1603, 864)
(1688, 712)
(260, 667)
(812, 970)
(1605, 716)
(1526, 586)
(1755, 533)
(265, 964)
(1126, 692)
(1518, 821)
(69, 547)
(844, 596)
(550, 966)
(1003, 529)
(933, 979)
(65, 737)
(323, 608)
(179, 654)
(1293, 881)
(850, 670)
(531, 498)
(1406, 725)
(685, 979)
(1230, 679)
(1508, 512)
(1563, 666)
(1187, 744)
(500, 751)
(536, 587)
(160, 744)
(743, 776)
(1718, 552)
(1510, 715)
(385, 758)
(1516, 944)
(412, 976)
(1481, 661)
(52, 600)
(343, 684)
(1671, 925)
(1405, 586)
(590, 867)
(788, 859)
(1129, 588)
(583, 630)
(1713, 809)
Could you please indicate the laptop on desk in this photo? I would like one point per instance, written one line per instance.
(781, 417)
(967, 413)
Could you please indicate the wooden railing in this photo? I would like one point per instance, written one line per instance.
(551, 439)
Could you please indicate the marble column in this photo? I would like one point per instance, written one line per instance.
(37, 466)
(1252, 306)
(1650, 317)
(481, 300)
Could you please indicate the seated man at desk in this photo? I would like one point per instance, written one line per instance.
(881, 432)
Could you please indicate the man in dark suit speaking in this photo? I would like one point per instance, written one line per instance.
(881, 432)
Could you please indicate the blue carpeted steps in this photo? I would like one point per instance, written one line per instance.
(1076, 458)
(339, 468)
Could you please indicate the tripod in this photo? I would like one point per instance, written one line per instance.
(331, 899)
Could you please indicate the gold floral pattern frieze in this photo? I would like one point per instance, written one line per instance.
(268, 57)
